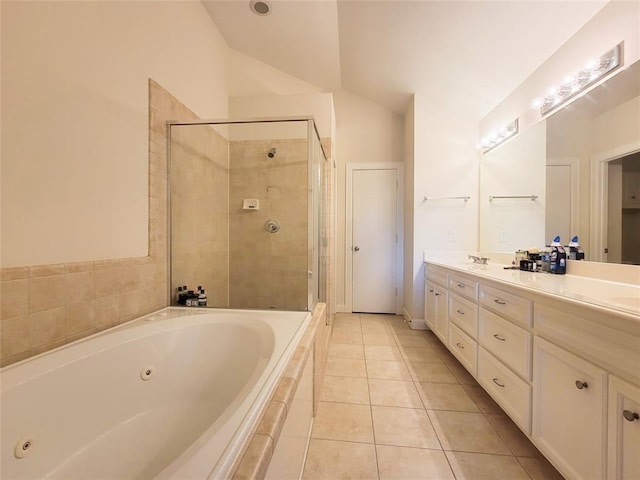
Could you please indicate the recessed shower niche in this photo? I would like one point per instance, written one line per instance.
(217, 242)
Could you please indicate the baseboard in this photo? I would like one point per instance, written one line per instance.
(342, 309)
(414, 323)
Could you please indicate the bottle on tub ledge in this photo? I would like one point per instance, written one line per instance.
(558, 258)
(576, 252)
(202, 297)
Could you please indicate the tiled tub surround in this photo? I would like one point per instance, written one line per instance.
(313, 347)
(215, 421)
(46, 306)
(397, 405)
(553, 350)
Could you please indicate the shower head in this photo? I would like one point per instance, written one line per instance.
(272, 153)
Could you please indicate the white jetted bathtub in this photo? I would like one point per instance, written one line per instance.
(172, 395)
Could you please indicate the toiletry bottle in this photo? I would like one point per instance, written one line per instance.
(546, 259)
(202, 298)
(575, 250)
(561, 268)
(178, 295)
(554, 256)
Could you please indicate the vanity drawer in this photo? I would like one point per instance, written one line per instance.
(438, 278)
(511, 392)
(507, 341)
(463, 286)
(510, 306)
(464, 314)
(464, 348)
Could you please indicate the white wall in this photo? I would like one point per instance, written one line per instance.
(366, 132)
(445, 164)
(318, 105)
(618, 21)
(75, 153)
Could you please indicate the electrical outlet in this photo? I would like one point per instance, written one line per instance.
(452, 236)
(502, 236)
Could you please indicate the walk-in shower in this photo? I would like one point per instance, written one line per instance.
(246, 202)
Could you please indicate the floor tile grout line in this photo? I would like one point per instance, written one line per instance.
(373, 428)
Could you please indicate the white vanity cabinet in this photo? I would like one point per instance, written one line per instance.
(566, 370)
(436, 302)
(624, 430)
(569, 400)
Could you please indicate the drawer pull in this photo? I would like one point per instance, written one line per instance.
(498, 337)
(580, 385)
(461, 285)
(431, 290)
(459, 345)
(497, 382)
(500, 302)
(437, 294)
(461, 312)
(630, 416)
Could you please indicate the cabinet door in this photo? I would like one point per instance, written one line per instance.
(442, 314)
(430, 305)
(624, 430)
(569, 411)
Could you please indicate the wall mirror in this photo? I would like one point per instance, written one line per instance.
(583, 165)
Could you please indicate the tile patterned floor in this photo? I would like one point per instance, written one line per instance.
(397, 405)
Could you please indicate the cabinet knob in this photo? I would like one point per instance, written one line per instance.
(500, 302)
(630, 416)
(459, 345)
(497, 382)
(431, 290)
(437, 294)
(498, 337)
(461, 285)
(580, 384)
(461, 312)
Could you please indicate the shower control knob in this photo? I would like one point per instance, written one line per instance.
(357, 249)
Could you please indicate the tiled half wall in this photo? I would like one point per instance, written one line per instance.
(46, 306)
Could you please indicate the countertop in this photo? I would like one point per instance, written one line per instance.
(619, 297)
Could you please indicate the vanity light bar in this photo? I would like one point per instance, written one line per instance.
(580, 81)
(493, 140)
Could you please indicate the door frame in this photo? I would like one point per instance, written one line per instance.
(600, 195)
(351, 167)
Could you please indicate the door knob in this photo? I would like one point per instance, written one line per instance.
(357, 249)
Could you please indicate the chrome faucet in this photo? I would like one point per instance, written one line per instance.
(480, 260)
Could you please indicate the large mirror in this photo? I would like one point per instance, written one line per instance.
(583, 166)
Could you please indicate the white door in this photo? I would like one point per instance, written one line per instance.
(374, 240)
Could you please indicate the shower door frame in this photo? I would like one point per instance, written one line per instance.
(314, 219)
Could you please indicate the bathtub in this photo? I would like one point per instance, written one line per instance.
(172, 395)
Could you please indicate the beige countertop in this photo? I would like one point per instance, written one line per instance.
(619, 297)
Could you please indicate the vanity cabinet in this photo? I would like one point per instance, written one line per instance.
(569, 400)
(624, 430)
(436, 304)
(566, 371)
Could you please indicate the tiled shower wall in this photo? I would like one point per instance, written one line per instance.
(268, 270)
(199, 212)
(46, 306)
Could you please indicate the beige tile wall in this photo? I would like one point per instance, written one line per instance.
(268, 270)
(199, 211)
(45, 306)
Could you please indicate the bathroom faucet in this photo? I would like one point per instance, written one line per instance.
(480, 260)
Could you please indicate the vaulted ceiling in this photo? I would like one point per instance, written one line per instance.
(475, 52)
